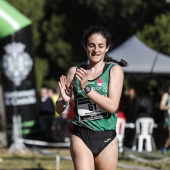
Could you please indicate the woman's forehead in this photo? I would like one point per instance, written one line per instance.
(96, 38)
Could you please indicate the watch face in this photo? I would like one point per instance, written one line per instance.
(87, 89)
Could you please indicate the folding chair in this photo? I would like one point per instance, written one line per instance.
(144, 130)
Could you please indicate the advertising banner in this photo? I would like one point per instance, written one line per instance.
(17, 70)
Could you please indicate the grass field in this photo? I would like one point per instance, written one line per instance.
(45, 159)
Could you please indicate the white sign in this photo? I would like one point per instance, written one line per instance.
(16, 63)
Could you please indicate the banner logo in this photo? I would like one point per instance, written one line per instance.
(16, 63)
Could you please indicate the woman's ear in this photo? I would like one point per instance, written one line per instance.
(107, 49)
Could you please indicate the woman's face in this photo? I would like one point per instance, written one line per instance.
(96, 48)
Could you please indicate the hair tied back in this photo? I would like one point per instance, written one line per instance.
(122, 62)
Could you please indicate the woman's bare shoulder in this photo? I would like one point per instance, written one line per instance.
(72, 70)
(117, 70)
(70, 74)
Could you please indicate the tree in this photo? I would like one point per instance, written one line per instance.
(157, 35)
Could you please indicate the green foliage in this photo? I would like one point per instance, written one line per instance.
(157, 35)
(55, 47)
(41, 71)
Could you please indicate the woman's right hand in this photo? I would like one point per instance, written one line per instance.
(65, 90)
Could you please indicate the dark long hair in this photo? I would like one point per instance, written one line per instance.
(122, 62)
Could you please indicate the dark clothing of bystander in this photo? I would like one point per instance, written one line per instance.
(46, 112)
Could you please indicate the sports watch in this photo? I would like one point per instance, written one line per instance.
(87, 89)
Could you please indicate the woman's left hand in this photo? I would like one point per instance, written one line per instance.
(82, 76)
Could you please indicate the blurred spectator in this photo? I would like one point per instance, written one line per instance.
(157, 113)
(130, 113)
(165, 106)
(53, 94)
(158, 118)
(145, 104)
(46, 113)
(131, 105)
(61, 126)
(142, 112)
(122, 105)
(121, 115)
(58, 124)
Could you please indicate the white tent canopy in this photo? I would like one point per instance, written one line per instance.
(140, 57)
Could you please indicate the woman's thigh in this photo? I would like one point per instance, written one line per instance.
(81, 155)
(107, 159)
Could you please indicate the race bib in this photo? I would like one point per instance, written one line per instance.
(88, 110)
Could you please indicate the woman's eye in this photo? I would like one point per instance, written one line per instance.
(93, 46)
(90, 45)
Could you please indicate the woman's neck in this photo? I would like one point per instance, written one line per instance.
(96, 67)
(95, 70)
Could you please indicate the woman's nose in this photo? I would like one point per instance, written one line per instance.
(96, 49)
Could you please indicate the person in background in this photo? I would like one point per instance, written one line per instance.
(146, 104)
(97, 88)
(165, 106)
(53, 94)
(56, 124)
(130, 102)
(71, 116)
(46, 113)
(122, 105)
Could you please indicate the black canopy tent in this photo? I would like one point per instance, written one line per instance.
(143, 62)
(141, 58)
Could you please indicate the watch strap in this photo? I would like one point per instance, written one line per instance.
(65, 104)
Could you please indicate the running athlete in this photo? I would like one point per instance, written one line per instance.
(165, 105)
(97, 89)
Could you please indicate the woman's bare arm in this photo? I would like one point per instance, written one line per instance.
(66, 87)
(111, 102)
(162, 105)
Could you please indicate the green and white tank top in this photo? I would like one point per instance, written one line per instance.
(89, 114)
